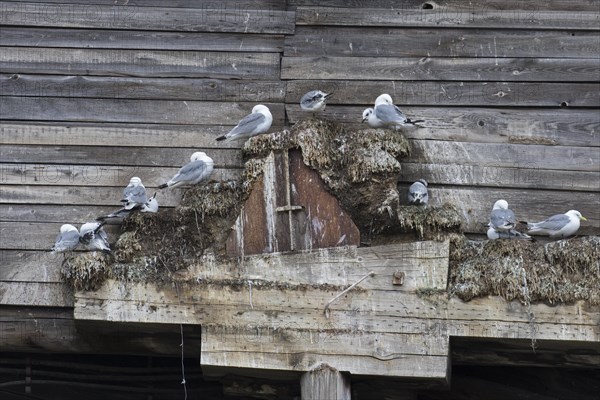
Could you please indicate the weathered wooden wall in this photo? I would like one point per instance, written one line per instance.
(94, 92)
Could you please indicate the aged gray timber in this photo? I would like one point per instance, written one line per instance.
(142, 88)
(433, 42)
(325, 382)
(147, 63)
(147, 40)
(208, 19)
(136, 111)
(485, 17)
(442, 68)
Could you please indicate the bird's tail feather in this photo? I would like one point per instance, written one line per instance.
(164, 185)
(221, 138)
(409, 121)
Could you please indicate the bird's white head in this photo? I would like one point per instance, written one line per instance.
(260, 108)
(199, 155)
(151, 205)
(383, 99)
(576, 214)
(500, 205)
(67, 228)
(366, 114)
(135, 181)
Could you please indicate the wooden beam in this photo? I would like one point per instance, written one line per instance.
(441, 68)
(480, 15)
(208, 17)
(325, 382)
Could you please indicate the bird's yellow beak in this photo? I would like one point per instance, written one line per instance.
(583, 218)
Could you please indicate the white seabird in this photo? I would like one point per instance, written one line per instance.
(502, 219)
(314, 101)
(196, 171)
(559, 225)
(251, 125)
(67, 239)
(93, 236)
(134, 194)
(386, 114)
(417, 193)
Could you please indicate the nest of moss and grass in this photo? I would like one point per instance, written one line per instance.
(563, 271)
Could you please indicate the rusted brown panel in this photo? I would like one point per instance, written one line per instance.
(249, 235)
(325, 223)
(317, 219)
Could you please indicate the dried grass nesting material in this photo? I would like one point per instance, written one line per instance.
(86, 271)
(564, 271)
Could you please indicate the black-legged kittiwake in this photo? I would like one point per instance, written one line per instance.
(493, 234)
(314, 101)
(386, 114)
(197, 170)
(369, 117)
(134, 194)
(67, 239)
(151, 206)
(251, 125)
(502, 219)
(559, 225)
(417, 193)
(93, 236)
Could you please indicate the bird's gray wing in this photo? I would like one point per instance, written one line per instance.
(554, 223)
(501, 217)
(310, 98)
(66, 241)
(192, 172)
(247, 125)
(136, 194)
(389, 114)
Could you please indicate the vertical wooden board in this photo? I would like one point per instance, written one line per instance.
(326, 223)
(325, 382)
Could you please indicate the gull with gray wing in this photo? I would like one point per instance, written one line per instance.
(259, 121)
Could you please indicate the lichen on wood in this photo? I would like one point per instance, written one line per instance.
(561, 271)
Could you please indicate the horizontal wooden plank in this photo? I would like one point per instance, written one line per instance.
(30, 266)
(424, 263)
(377, 310)
(568, 127)
(122, 135)
(95, 175)
(416, 42)
(115, 156)
(437, 68)
(491, 175)
(147, 40)
(57, 213)
(146, 63)
(482, 16)
(450, 93)
(142, 88)
(53, 330)
(137, 111)
(527, 156)
(73, 195)
(39, 294)
(203, 4)
(208, 18)
(473, 6)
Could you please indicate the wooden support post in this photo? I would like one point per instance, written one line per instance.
(325, 382)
